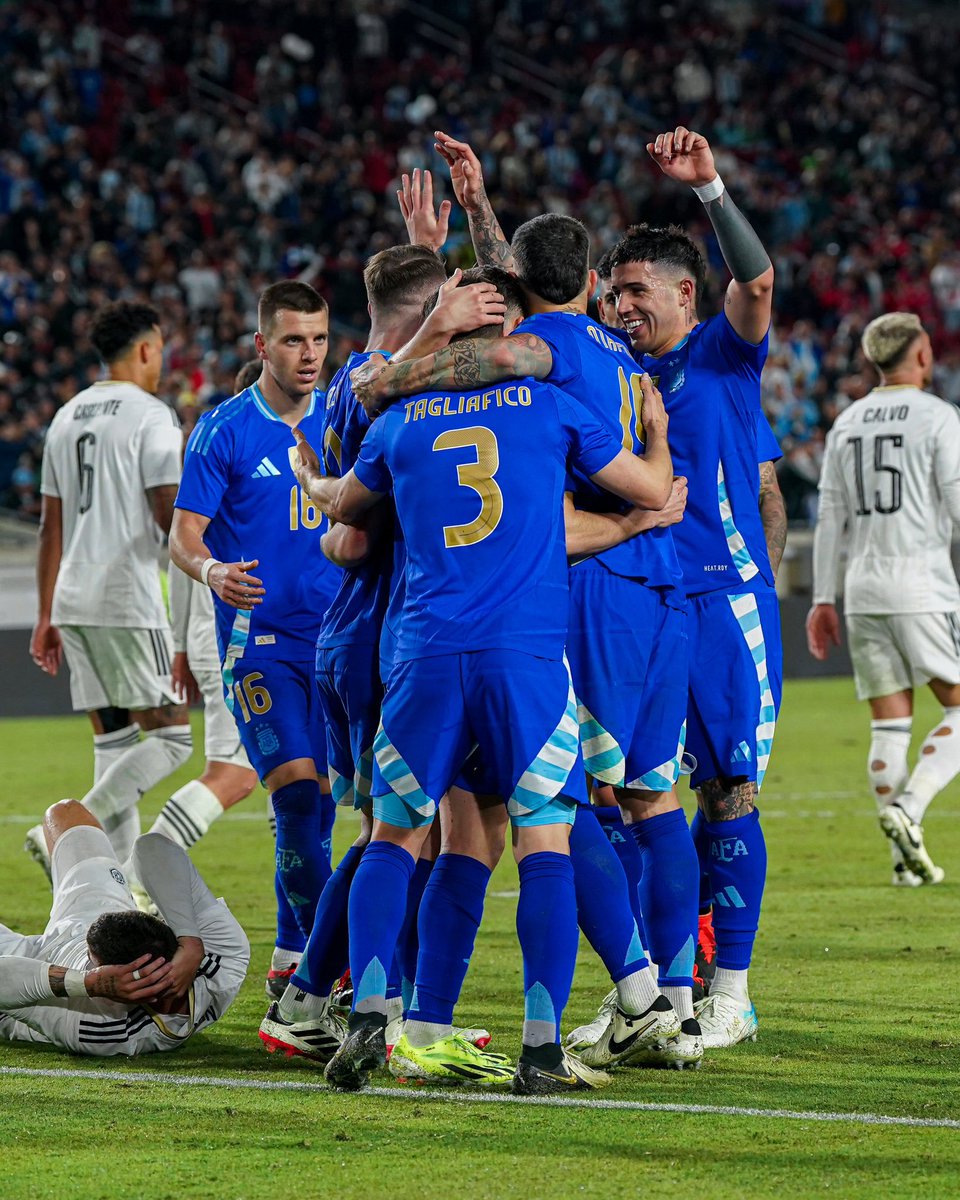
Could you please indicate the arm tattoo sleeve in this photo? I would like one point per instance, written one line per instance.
(470, 363)
(491, 247)
(742, 250)
(57, 979)
(773, 514)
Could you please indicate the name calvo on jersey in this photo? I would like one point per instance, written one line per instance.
(886, 412)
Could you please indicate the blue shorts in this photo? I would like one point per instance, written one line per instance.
(520, 713)
(736, 681)
(277, 712)
(628, 658)
(350, 691)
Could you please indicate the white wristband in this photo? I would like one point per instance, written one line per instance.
(709, 191)
(205, 568)
(73, 983)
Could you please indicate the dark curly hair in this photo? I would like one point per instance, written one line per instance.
(116, 938)
(116, 326)
(666, 246)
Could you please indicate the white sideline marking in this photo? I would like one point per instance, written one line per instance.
(291, 1085)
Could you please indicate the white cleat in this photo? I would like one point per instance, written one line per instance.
(35, 845)
(588, 1035)
(908, 835)
(394, 1022)
(682, 1052)
(629, 1034)
(725, 1020)
(904, 877)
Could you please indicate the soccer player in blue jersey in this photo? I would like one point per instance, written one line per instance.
(480, 660)
(240, 510)
(729, 543)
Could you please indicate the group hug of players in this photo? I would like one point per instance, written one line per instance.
(528, 585)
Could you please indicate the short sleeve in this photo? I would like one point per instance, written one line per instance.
(160, 447)
(564, 351)
(946, 454)
(590, 446)
(48, 474)
(371, 465)
(206, 469)
(739, 355)
(768, 448)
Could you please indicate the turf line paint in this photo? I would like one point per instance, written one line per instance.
(419, 1094)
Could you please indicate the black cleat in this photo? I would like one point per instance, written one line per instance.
(572, 1075)
(363, 1050)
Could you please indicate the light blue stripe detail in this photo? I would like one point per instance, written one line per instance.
(635, 950)
(239, 634)
(602, 755)
(734, 897)
(373, 982)
(742, 559)
(341, 789)
(663, 778)
(398, 775)
(537, 1005)
(747, 614)
(548, 770)
(599, 764)
(682, 964)
(545, 776)
(262, 406)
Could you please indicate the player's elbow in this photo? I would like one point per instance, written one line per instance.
(346, 547)
(761, 287)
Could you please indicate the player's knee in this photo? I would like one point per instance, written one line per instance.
(64, 815)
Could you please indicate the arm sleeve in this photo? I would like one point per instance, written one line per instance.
(768, 448)
(946, 461)
(206, 470)
(590, 446)
(160, 448)
(180, 593)
(827, 536)
(371, 465)
(48, 474)
(25, 982)
(173, 882)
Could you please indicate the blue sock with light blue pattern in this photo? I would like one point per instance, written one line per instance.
(604, 912)
(325, 956)
(450, 916)
(378, 901)
(547, 929)
(289, 936)
(669, 891)
(701, 843)
(302, 863)
(409, 948)
(626, 850)
(738, 871)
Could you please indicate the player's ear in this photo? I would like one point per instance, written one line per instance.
(260, 344)
(688, 293)
(592, 279)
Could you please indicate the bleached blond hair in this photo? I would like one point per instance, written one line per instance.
(887, 339)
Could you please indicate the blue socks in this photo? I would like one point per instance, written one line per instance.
(325, 956)
(377, 906)
(304, 818)
(669, 890)
(604, 911)
(626, 849)
(450, 916)
(738, 871)
(409, 946)
(547, 929)
(289, 936)
(701, 842)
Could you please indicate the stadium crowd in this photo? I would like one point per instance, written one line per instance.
(168, 151)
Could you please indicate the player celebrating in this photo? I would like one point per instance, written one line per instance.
(891, 474)
(239, 508)
(729, 542)
(111, 463)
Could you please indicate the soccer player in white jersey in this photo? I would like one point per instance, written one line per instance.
(111, 464)
(103, 978)
(891, 474)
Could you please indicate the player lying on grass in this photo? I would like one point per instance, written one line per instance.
(104, 978)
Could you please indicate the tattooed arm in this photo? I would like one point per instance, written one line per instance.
(491, 247)
(25, 982)
(466, 364)
(773, 513)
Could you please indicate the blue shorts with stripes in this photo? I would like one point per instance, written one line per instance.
(277, 712)
(518, 711)
(628, 658)
(736, 682)
(350, 691)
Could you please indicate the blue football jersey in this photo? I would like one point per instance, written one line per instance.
(710, 384)
(357, 610)
(597, 368)
(238, 471)
(478, 481)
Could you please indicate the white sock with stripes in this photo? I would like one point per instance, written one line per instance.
(137, 770)
(107, 748)
(188, 814)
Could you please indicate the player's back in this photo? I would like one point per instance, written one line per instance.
(478, 482)
(106, 447)
(597, 368)
(889, 456)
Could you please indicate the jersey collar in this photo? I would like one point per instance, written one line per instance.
(268, 412)
(673, 349)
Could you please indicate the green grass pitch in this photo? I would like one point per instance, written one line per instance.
(853, 980)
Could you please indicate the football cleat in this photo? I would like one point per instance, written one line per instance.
(480, 1038)
(342, 994)
(450, 1060)
(705, 962)
(908, 835)
(725, 1021)
(627, 1034)
(394, 1023)
(572, 1075)
(587, 1035)
(318, 1038)
(35, 844)
(363, 1050)
(682, 1052)
(276, 981)
(904, 877)
(142, 898)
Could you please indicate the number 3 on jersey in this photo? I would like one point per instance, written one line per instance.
(479, 477)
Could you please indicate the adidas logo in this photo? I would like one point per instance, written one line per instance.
(265, 470)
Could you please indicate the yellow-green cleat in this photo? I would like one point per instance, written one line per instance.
(450, 1060)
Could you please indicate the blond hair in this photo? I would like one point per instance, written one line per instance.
(887, 339)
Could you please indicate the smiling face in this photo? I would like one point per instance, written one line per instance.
(293, 350)
(657, 305)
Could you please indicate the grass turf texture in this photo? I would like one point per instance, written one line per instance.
(851, 981)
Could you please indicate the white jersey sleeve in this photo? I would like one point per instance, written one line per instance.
(831, 518)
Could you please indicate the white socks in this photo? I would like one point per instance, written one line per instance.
(636, 992)
(887, 767)
(424, 1033)
(188, 814)
(123, 829)
(682, 1000)
(137, 770)
(297, 1005)
(107, 748)
(937, 764)
(730, 983)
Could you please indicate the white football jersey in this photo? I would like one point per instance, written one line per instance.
(891, 472)
(105, 447)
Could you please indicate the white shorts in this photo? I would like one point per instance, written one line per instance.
(221, 740)
(118, 668)
(896, 653)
